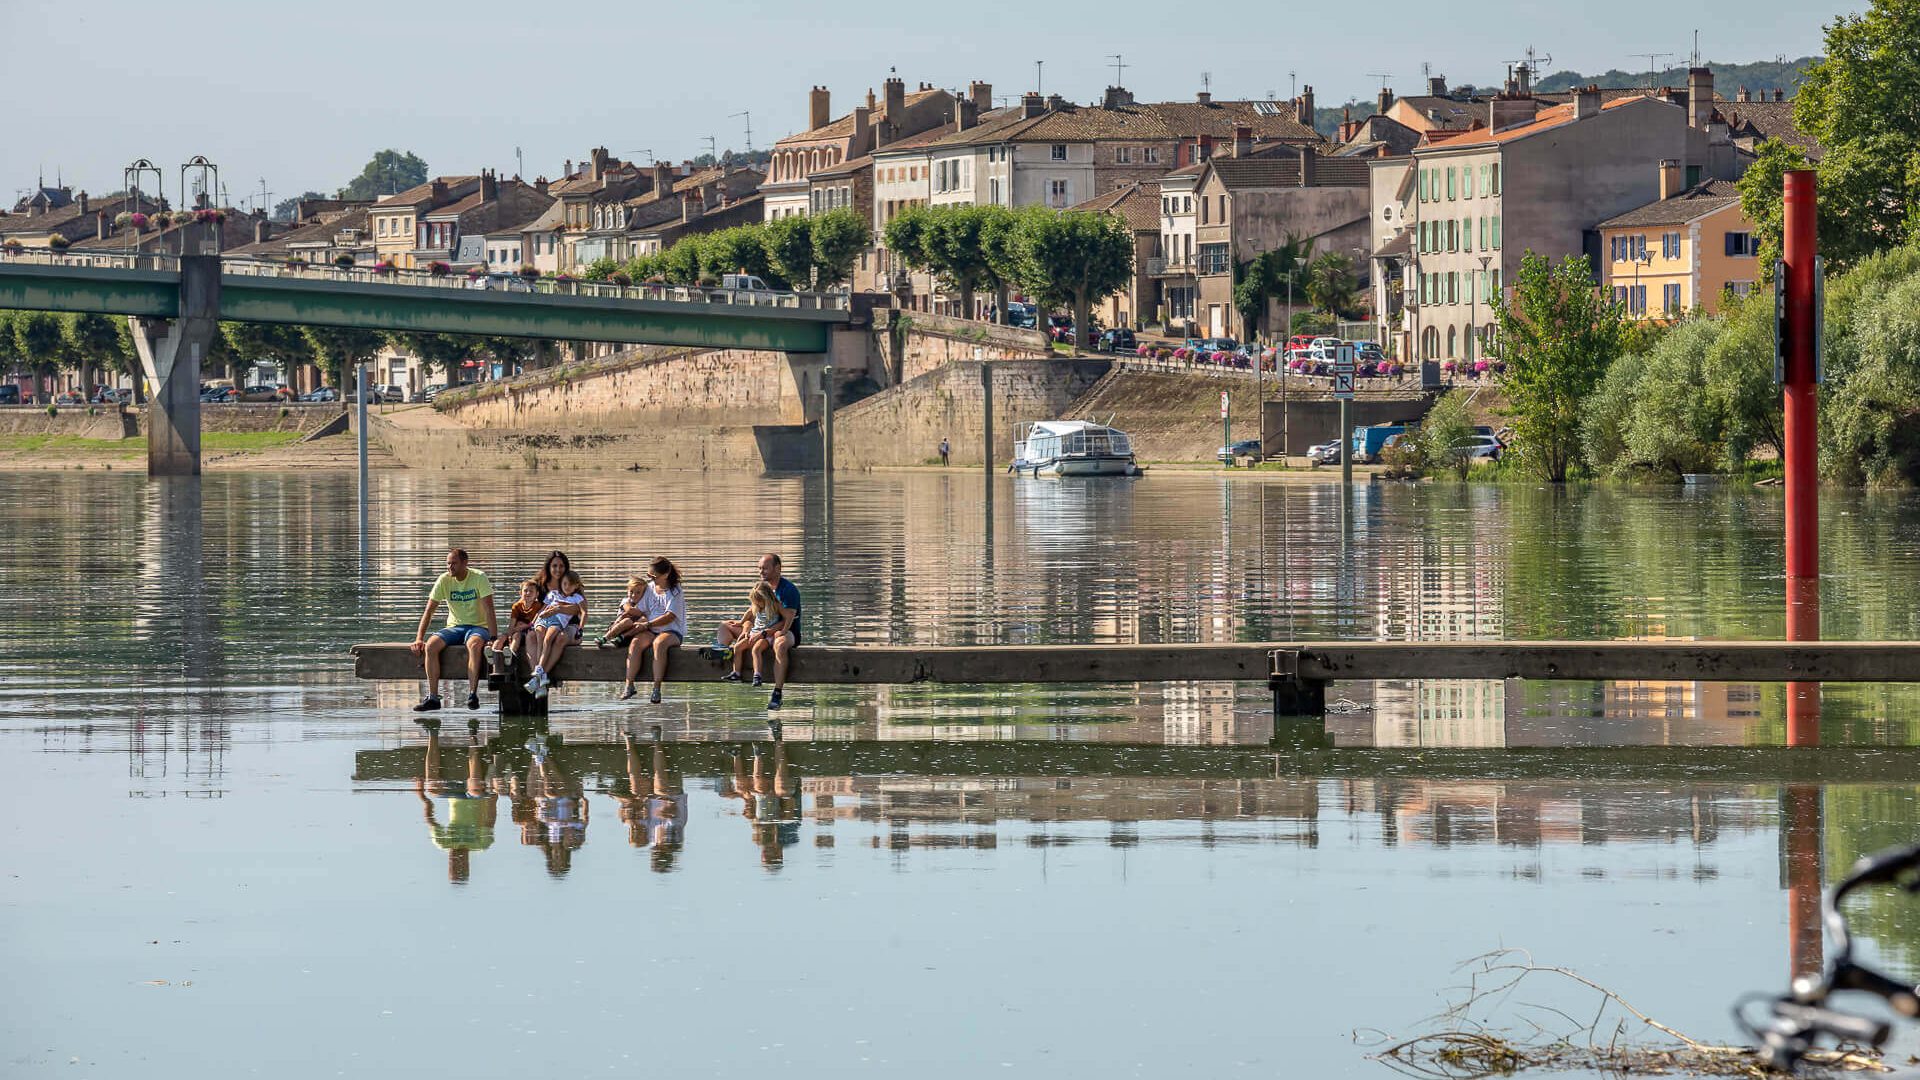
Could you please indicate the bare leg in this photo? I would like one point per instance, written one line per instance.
(434, 645)
(759, 650)
(637, 648)
(661, 643)
(782, 645)
(476, 657)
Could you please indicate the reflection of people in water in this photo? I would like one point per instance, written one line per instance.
(470, 807)
(770, 799)
(655, 805)
(556, 815)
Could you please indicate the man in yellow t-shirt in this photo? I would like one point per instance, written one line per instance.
(470, 625)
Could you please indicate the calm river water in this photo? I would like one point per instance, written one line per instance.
(223, 856)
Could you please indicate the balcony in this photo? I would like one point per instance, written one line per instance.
(1162, 267)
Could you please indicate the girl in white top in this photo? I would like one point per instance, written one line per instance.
(662, 626)
(551, 629)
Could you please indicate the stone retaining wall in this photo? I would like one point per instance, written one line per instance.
(904, 425)
(912, 343)
(645, 388)
(452, 447)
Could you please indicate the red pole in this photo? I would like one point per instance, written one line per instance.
(1803, 494)
(1801, 842)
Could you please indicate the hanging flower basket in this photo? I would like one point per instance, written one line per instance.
(1481, 367)
(1448, 366)
(58, 243)
(344, 262)
(620, 277)
(383, 267)
(474, 272)
(439, 269)
(296, 264)
(13, 247)
(122, 219)
(564, 279)
(138, 220)
(209, 217)
(531, 273)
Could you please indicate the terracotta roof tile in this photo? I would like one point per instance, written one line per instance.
(422, 194)
(1136, 204)
(842, 126)
(1695, 202)
(1544, 120)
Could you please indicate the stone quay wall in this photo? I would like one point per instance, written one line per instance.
(904, 425)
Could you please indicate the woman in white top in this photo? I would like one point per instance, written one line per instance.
(663, 626)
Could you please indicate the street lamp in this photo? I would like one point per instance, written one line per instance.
(1640, 258)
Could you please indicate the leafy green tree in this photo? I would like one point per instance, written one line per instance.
(680, 264)
(1858, 101)
(389, 172)
(40, 341)
(906, 236)
(337, 349)
(94, 342)
(1557, 336)
(839, 238)
(789, 242)
(1872, 429)
(1000, 239)
(601, 269)
(1444, 434)
(1739, 379)
(1649, 413)
(1281, 272)
(1333, 285)
(443, 351)
(285, 347)
(1074, 258)
(739, 250)
(286, 209)
(956, 248)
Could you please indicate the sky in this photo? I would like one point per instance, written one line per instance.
(300, 96)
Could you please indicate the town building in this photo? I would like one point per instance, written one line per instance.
(458, 233)
(397, 219)
(705, 200)
(1680, 254)
(831, 141)
(37, 220)
(1138, 207)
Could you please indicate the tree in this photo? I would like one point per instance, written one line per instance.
(956, 249)
(1277, 273)
(739, 250)
(444, 351)
(338, 348)
(1444, 434)
(285, 347)
(1649, 411)
(1858, 101)
(680, 264)
(94, 343)
(1557, 336)
(839, 238)
(1871, 428)
(1739, 379)
(388, 173)
(789, 242)
(40, 341)
(906, 235)
(1333, 286)
(1074, 257)
(288, 209)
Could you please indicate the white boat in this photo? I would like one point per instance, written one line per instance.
(1072, 448)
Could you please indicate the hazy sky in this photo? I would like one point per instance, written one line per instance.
(302, 94)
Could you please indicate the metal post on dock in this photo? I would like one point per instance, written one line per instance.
(826, 427)
(1798, 309)
(1346, 444)
(1343, 390)
(986, 418)
(360, 422)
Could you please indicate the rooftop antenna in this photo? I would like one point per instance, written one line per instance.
(1653, 75)
(266, 197)
(1383, 76)
(748, 113)
(519, 163)
(1293, 85)
(1696, 48)
(1119, 70)
(1206, 82)
(1038, 65)
(712, 150)
(648, 152)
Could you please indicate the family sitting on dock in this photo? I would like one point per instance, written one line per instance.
(551, 614)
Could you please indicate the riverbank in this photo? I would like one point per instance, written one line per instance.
(220, 450)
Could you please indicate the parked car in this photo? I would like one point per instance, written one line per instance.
(219, 395)
(70, 398)
(107, 395)
(1369, 441)
(1117, 340)
(432, 392)
(266, 393)
(9, 394)
(1325, 453)
(746, 282)
(1021, 315)
(1243, 448)
(324, 393)
(1480, 448)
(391, 393)
(1219, 344)
(1368, 352)
(374, 396)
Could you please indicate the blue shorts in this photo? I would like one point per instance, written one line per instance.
(456, 636)
(550, 622)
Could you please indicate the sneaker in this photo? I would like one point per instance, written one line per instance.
(731, 676)
(773, 703)
(427, 704)
(473, 701)
(540, 694)
(655, 696)
(537, 683)
(716, 652)
(626, 694)
(603, 643)
(756, 678)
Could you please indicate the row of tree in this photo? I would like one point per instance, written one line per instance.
(1328, 283)
(816, 252)
(98, 348)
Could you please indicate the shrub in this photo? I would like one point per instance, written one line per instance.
(620, 277)
(58, 243)
(1437, 442)
(530, 272)
(439, 269)
(53, 410)
(122, 219)
(343, 261)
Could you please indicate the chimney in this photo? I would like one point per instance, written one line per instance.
(1506, 110)
(438, 190)
(862, 131)
(1524, 75)
(1308, 170)
(540, 184)
(1437, 86)
(1303, 107)
(895, 92)
(1586, 102)
(1056, 103)
(819, 107)
(662, 177)
(1204, 97)
(597, 170)
(1031, 105)
(1116, 96)
(1384, 102)
(981, 94)
(262, 230)
(693, 204)
(1349, 127)
(1670, 178)
(489, 186)
(965, 115)
(82, 200)
(1779, 94)
(872, 102)
(1743, 94)
(102, 227)
(1699, 97)
(1242, 140)
(567, 173)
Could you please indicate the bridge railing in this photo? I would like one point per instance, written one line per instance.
(506, 283)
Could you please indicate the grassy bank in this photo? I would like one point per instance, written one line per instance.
(209, 440)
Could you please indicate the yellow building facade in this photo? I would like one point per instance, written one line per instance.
(1680, 254)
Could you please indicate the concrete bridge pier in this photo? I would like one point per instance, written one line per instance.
(171, 351)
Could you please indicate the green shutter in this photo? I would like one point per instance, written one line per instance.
(1496, 232)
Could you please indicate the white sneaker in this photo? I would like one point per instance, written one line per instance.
(537, 685)
(540, 693)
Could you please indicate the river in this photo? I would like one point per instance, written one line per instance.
(224, 856)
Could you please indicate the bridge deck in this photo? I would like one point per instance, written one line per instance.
(1313, 662)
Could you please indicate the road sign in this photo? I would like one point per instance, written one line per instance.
(1223, 404)
(1343, 372)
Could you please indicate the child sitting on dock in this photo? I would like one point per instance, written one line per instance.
(520, 618)
(764, 615)
(550, 628)
(630, 616)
